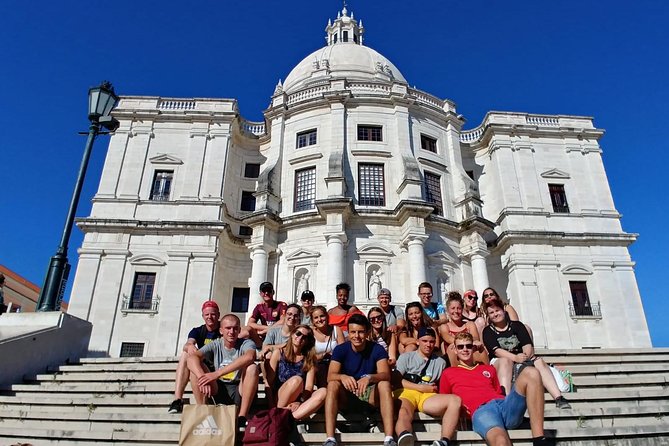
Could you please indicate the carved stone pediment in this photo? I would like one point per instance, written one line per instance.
(576, 269)
(164, 158)
(374, 249)
(555, 173)
(147, 260)
(442, 258)
(302, 254)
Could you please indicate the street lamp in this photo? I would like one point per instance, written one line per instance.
(101, 101)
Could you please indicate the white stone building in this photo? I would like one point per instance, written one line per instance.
(353, 176)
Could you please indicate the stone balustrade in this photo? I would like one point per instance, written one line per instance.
(253, 128)
(176, 104)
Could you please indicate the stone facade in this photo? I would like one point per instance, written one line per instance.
(356, 177)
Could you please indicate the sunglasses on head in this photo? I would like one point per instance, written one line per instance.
(299, 334)
(464, 346)
(374, 319)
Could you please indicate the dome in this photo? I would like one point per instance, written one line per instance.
(342, 60)
(344, 57)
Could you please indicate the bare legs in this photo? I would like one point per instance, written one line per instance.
(381, 397)
(445, 406)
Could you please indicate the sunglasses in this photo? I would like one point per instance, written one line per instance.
(299, 334)
(464, 346)
(375, 319)
(490, 295)
(473, 297)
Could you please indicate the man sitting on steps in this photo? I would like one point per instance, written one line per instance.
(491, 412)
(235, 376)
(197, 338)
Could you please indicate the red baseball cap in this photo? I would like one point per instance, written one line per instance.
(210, 304)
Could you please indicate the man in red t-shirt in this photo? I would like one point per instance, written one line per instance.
(267, 313)
(491, 412)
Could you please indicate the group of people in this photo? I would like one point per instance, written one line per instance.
(443, 360)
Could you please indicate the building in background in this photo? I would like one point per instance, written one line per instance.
(353, 176)
(18, 294)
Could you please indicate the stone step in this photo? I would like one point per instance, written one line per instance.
(38, 435)
(121, 367)
(105, 376)
(163, 430)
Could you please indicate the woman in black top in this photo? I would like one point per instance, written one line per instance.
(510, 344)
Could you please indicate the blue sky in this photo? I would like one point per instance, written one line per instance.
(581, 57)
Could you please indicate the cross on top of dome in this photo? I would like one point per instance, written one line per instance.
(345, 29)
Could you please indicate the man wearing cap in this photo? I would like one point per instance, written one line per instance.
(307, 297)
(267, 313)
(198, 337)
(421, 371)
(394, 314)
(491, 412)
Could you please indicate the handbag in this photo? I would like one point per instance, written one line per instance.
(418, 378)
(207, 425)
(269, 428)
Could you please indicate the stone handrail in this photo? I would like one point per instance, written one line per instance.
(172, 104)
(253, 128)
(545, 121)
(471, 135)
(307, 94)
(427, 99)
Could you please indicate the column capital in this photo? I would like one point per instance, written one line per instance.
(336, 237)
(413, 239)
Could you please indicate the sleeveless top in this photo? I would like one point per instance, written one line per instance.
(453, 333)
(289, 369)
(467, 319)
(382, 342)
(328, 345)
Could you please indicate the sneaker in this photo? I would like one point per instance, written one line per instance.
(406, 438)
(390, 442)
(177, 406)
(440, 443)
(302, 428)
(330, 442)
(562, 403)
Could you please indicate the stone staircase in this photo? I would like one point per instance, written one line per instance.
(621, 398)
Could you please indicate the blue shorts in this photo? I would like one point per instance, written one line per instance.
(506, 413)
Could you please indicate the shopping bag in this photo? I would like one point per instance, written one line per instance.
(208, 425)
(562, 382)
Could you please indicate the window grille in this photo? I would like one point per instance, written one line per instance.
(433, 192)
(370, 133)
(371, 185)
(132, 349)
(305, 189)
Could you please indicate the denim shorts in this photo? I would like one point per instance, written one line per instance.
(506, 413)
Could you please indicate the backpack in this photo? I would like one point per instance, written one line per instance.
(269, 428)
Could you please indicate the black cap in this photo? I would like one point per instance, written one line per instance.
(266, 287)
(426, 331)
(307, 295)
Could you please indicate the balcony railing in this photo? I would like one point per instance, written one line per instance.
(592, 311)
(145, 306)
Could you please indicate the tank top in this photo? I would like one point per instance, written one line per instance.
(382, 342)
(453, 333)
(329, 344)
(289, 369)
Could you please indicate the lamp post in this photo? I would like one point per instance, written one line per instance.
(101, 101)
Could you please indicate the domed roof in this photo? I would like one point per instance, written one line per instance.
(348, 60)
(343, 57)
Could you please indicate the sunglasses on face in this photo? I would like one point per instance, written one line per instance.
(375, 319)
(299, 334)
(464, 346)
(490, 295)
(473, 297)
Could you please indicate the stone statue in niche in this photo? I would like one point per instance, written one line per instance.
(374, 285)
(442, 287)
(301, 285)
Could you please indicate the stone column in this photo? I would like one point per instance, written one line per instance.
(335, 265)
(479, 270)
(258, 275)
(417, 271)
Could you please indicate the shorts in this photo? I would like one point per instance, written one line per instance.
(355, 402)
(228, 393)
(413, 396)
(506, 413)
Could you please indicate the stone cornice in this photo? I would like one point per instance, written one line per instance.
(507, 238)
(90, 224)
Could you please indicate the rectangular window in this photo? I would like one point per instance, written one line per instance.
(305, 189)
(558, 198)
(162, 183)
(433, 192)
(580, 299)
(248, 201)
(245, 230)
(252, 170)
(240, 300)
(307, 138)
(142, 291)
(344, 37)
(371, 185)
(428, 143)
(132, 350)
(370, 133)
